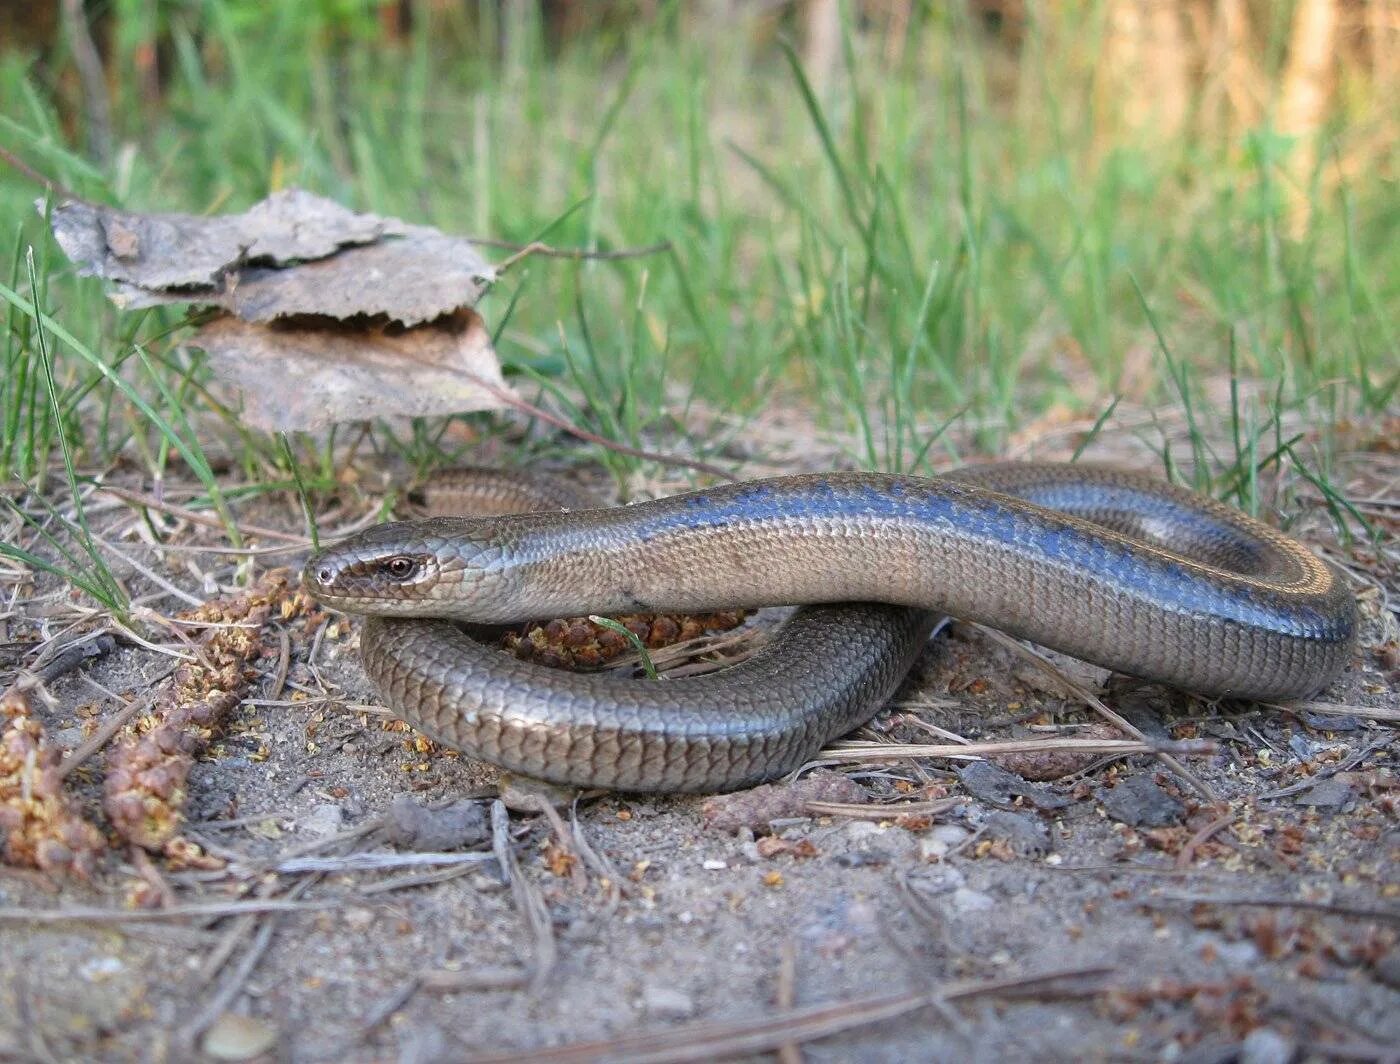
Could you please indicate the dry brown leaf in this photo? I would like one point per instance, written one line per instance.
(334, 315)
(152, 252)
(342, 373)
(411, 278)
(290, 255)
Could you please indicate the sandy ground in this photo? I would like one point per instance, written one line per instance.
(1258, 924)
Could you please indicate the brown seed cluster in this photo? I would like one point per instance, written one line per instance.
(577, 642)
(40, 824)
(150, 763)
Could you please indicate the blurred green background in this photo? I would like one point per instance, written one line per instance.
(889, 214)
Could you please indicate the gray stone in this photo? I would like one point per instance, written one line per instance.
(940, 840)
(1140, 803)
(1264, 1045)
(967, 900)
(322, 822)
(667, 1003)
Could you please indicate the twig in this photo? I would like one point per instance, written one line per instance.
(529, 902)
(233, 984)
(195, 517)
(284, 662)
(536, 247)
(92, 914)
(788, 1052)
(113, 724)
(597, 861)
(415, 879)
(882, 812)
(1359, 911)
(855, 752)
(1097, 704)
(1338, 709)
(61, 190)
(476, 977)
(238, 930)
(1356, 1049)
(564, 425)
(154, 577)
(252, 868)
(1188, 852)
(1346, 765)
(148, 871)
(220, 1000)
(711, 1041)
(564, 835)
(390, 1004)
(33, 1031)
(377, 862)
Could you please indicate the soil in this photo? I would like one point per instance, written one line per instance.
(1258, 924)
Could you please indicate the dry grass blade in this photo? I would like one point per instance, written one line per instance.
(1360, 912)
(529, 902)
(711, 1041)
(91, 914)
(195, 517)
(858, 752)
(786, 998)
(477, 977)
(1336, 709)
(378, 862)
(113, 724)
(882, 812)
(234, 982)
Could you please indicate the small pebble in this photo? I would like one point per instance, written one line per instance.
(667, 1003)
(1264, 1045)
(322, 822)
(1027, 835)
(1330, 794)
(1388, 968)
(412, 826)
(100, 968)
(867, 842)
(237, 1037)
(67, 738)
(939, 840)
(967, 900)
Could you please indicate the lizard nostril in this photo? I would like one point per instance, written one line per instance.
(325, 574)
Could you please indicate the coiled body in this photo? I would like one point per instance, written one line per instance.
(1119, 569)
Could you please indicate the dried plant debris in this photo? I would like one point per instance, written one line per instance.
(577, 642)
(414, 276)
(1138, 802)
(370, 316)
(413, 826)
(1043, 765)
(41, 826)
(1020, 834)
(183, 258)
(757, 807)
(996, 786)
(292, 254)
(346, 373)
(150, 764)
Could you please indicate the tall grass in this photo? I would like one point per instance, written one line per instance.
(966, 234)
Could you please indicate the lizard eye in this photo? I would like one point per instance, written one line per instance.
(400, 568)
